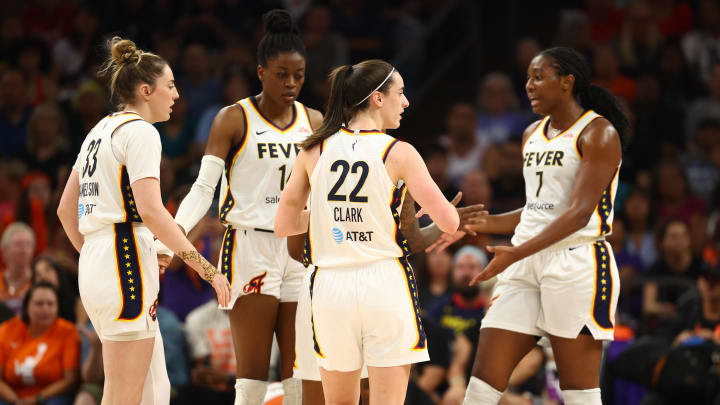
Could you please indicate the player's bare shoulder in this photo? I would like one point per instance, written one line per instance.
(315, 117)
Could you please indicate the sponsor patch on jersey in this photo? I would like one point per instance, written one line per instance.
(337, 235)
(81, 210)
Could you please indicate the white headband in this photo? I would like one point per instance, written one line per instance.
(376, 88)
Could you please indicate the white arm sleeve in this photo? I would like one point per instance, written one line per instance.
(198, 200)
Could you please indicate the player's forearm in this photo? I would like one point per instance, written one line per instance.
(289, 221)
(69, 222)
(6, 393)
(62, 386)
(500, 224)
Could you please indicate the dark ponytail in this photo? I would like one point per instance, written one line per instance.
(350, 87)
(281, 35)
(569, 62)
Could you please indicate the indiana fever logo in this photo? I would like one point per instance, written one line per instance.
(153, 310)
(254, 286)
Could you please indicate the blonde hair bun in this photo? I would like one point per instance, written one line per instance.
(124, 51)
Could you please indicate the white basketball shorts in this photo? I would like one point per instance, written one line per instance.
(558, 292)
(118, 278)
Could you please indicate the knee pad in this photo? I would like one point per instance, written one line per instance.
(249, 392)
(582, 397)
(481, 393)
(292, 391)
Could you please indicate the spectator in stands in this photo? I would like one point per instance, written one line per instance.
(640, 39)
(200, 88)
(46, 146)
(677, 268)
(72, 53)
(630, 268)
(702, 46)
(436, 159)
(177, 135)
(17, 244)
(608, 75)
(675, 202)
(498, 118)
(11, 174)
(235, 87)
(37, 209)
(465, 151)
(33, 59)
(707, 108)
(39, 352)
(437, 283)
(89, 107)
(606, 21)
(325, 50)
(14, 112)
(639, 223)
(176, 358)
(212, 357)
(463, 310)
(703, 173)
(508, 189)
(525, 49)
(45, 269)
(91, 370)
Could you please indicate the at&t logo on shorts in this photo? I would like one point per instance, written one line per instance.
(337, 235)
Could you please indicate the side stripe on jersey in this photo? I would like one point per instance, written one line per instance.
(605, 206)
(316, 345)
(387, 150)
(603, 287)
(129, 268)
(228, 201)
(395, 203)
(226, 256)
(307, 250)
(129, 207)
(421, 342)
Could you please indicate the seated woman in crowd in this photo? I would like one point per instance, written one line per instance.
(45, 268)
(39, 352)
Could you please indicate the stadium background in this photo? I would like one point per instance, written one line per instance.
(464, 66)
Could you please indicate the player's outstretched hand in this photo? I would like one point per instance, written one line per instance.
(445, 240)
(504, 257)
(222, 289)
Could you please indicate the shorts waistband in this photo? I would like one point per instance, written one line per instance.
(568, 243)
(109, 230)
(243, 228)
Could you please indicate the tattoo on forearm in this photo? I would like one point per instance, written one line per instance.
(193, 256)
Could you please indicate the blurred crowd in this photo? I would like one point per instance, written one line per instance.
(661, 58)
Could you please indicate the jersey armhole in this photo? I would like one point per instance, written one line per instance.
(387, 149)
(578, 149)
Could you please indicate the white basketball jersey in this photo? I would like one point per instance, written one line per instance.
(550, 167)
(102, 165)
(258, 168)
(354, 205)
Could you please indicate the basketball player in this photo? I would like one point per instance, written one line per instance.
(255, 142)
(305, 367)
(364, 298)
(559, 277)
(110, 209)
